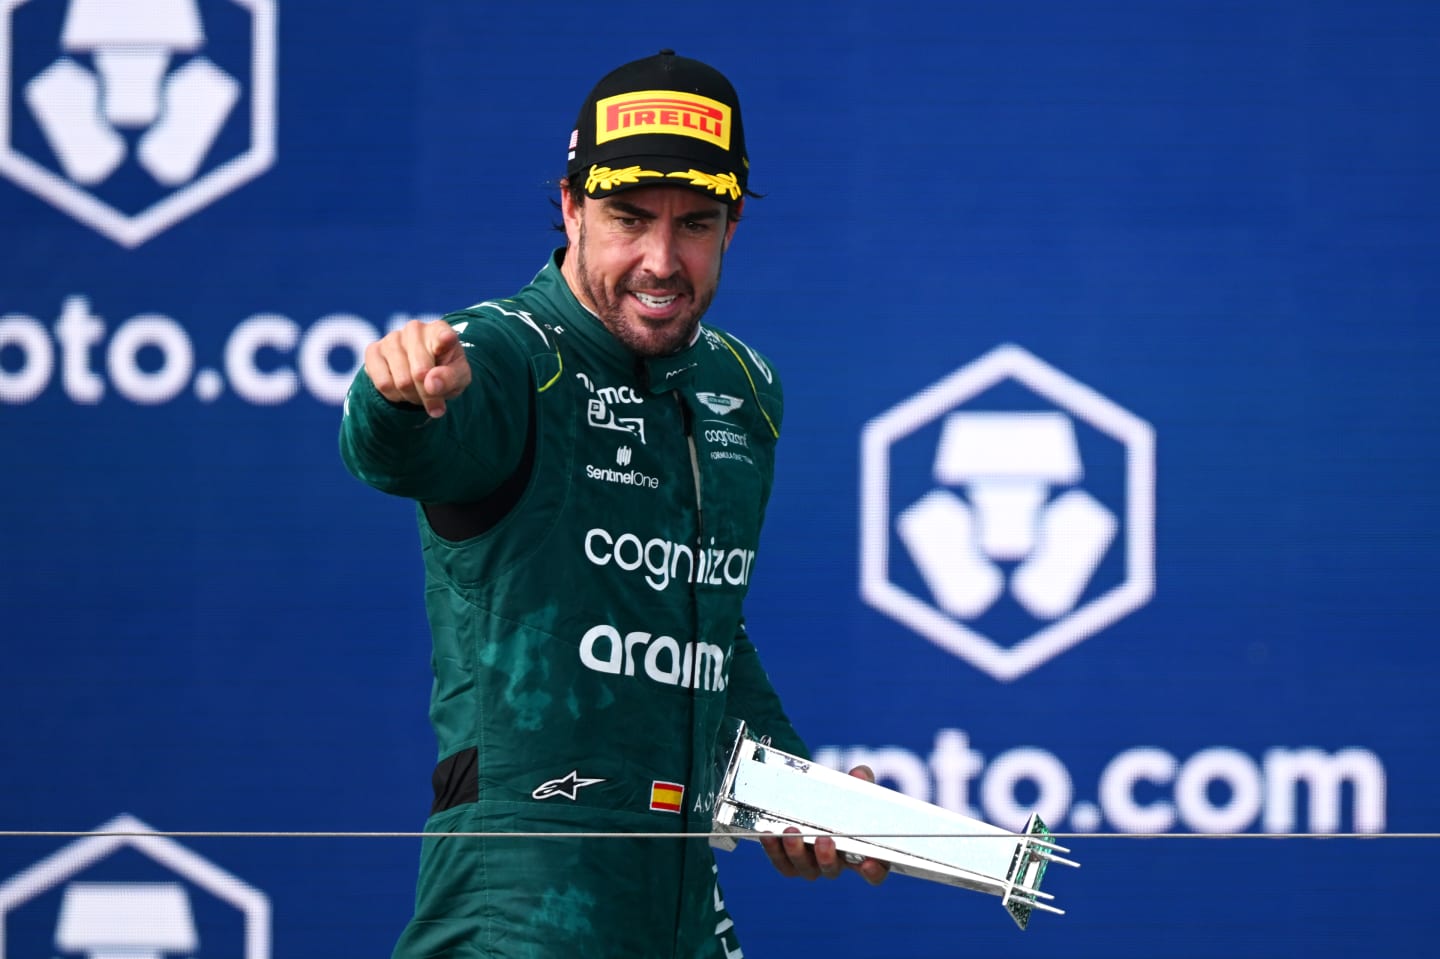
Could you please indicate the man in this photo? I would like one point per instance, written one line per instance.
(592, 467)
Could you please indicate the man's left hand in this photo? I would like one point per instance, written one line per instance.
(793, 856)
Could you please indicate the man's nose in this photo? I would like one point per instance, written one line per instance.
(661, 251)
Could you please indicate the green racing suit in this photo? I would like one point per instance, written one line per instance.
(589, 522)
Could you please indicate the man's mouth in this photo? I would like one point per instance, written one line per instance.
(655, 302)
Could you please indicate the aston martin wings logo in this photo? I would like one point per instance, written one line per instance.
(720, 402)
(568, 786)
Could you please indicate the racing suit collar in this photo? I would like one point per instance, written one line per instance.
(577, 317)
(664, 373)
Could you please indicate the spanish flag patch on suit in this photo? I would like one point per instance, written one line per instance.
(667, 797)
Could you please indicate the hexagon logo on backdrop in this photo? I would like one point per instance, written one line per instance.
(131, 115)
(89, 897)
(1007, 512)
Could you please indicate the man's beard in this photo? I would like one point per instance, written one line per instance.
(634, 332)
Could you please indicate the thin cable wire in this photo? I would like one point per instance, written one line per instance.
(307, 834)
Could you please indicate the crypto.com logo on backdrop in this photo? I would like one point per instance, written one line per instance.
(130, 86)
(1003, 520)
(89, 897)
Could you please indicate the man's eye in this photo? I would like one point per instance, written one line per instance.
(697, 227)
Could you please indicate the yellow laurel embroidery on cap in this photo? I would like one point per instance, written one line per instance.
(719, 182)
(604, 178)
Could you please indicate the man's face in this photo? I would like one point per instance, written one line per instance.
(647, 262)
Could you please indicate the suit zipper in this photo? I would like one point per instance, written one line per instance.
(689, 419)
(687, 416)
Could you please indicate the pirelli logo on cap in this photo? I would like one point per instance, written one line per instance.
(667, 797)
(663, 111)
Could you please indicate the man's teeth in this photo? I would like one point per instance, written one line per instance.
(655, 302)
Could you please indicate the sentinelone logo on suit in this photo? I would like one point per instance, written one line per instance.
(1008, 514)
(131, 115)
(127, 892)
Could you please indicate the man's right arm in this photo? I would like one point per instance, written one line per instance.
(436, 416)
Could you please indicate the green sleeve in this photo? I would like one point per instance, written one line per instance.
(752, 698)
(456, 458)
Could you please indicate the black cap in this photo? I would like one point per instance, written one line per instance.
(662, 120)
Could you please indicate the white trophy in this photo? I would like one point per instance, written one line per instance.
(766, 790)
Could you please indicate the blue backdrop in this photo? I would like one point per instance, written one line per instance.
(1183, 253)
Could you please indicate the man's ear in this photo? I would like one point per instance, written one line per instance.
(571, 211)
(733, 220)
